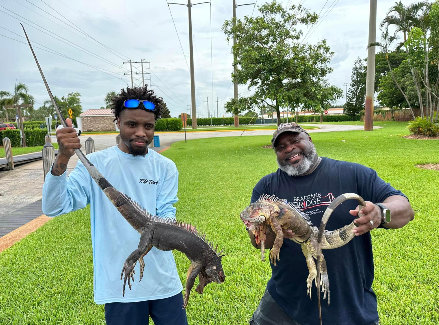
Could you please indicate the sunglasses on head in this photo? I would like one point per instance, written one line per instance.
(134, 103)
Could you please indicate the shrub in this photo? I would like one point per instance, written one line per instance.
(222, 121)
(421, 126)
(13, 135)
(34, 124)
(174, 124)
(35, 137)
(316, 118)
(160, 125)
(168, 124)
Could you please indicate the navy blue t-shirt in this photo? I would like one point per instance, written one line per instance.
(350, 267)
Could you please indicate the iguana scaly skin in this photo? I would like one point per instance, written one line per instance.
(270, 211)
(164, 234)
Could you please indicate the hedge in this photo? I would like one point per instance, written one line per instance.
(222, 121)
(34, 137)
(168, 124)
(316, 118)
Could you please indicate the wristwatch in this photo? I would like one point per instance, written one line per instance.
(385, 214)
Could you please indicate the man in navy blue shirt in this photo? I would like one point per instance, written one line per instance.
(311, 183)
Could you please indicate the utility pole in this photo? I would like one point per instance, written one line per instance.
(131, 68)
(217, 107)
(142, 61)
(346, 93)
(235, 84)
(191, 56)
(370, 75)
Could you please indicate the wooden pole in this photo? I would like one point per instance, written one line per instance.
(370, 75)
(8, 153)
(89, 146)
(48, 157)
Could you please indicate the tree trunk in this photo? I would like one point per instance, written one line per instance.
(396, 83)
(418, 90)
(277, 112)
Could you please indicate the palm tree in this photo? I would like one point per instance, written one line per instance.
(21, 96)
(5, 99)
(404, 18)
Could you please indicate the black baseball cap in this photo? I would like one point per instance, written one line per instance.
(286, 127)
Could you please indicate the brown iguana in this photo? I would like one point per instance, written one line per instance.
(164, 234)
(270, 211)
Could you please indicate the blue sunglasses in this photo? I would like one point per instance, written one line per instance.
(134, 103)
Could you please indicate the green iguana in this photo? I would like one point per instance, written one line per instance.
(164, 234)
(270, 211)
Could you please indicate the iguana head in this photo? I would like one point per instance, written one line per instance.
(213, 272)
(256, 217)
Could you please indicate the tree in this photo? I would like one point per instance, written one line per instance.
(393, 97)
(326, 95)
(109, 98)
(273, 61)
(239, 106)
(5, 99)
(357, 90)
(72, 101)
(19, 96)
(404, 18)
(165, 112)
(44, 111)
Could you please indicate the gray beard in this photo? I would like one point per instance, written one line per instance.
(302, 167)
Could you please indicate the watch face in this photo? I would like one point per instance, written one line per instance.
(386, 213)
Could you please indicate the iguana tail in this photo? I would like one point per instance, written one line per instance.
(334, 204)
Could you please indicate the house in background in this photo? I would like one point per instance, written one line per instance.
(98, 120)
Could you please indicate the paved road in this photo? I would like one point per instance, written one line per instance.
(21, 188)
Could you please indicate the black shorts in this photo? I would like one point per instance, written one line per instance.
(269, 313)
(167, 311)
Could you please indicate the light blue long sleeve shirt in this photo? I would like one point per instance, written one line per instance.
(151, 181)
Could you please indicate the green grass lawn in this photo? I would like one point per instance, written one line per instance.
(23, 150)
(47, 277)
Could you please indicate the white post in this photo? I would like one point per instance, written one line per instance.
(48, 157)
(89, 146)
(8, 152)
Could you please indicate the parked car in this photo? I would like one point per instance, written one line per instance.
(11, 126)
(6, 127)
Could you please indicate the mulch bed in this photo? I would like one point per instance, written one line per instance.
(420, 137)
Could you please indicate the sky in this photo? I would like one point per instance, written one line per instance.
(85, 46)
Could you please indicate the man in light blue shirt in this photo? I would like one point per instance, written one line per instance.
(149, 179)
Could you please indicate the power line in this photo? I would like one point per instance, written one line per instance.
(334, 3)
(181, 46)
(62, 39)
(121, 56)
(114, 64)
(44, 48)
(167, 87)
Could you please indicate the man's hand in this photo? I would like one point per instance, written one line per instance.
(68, 141)
(369, 217)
